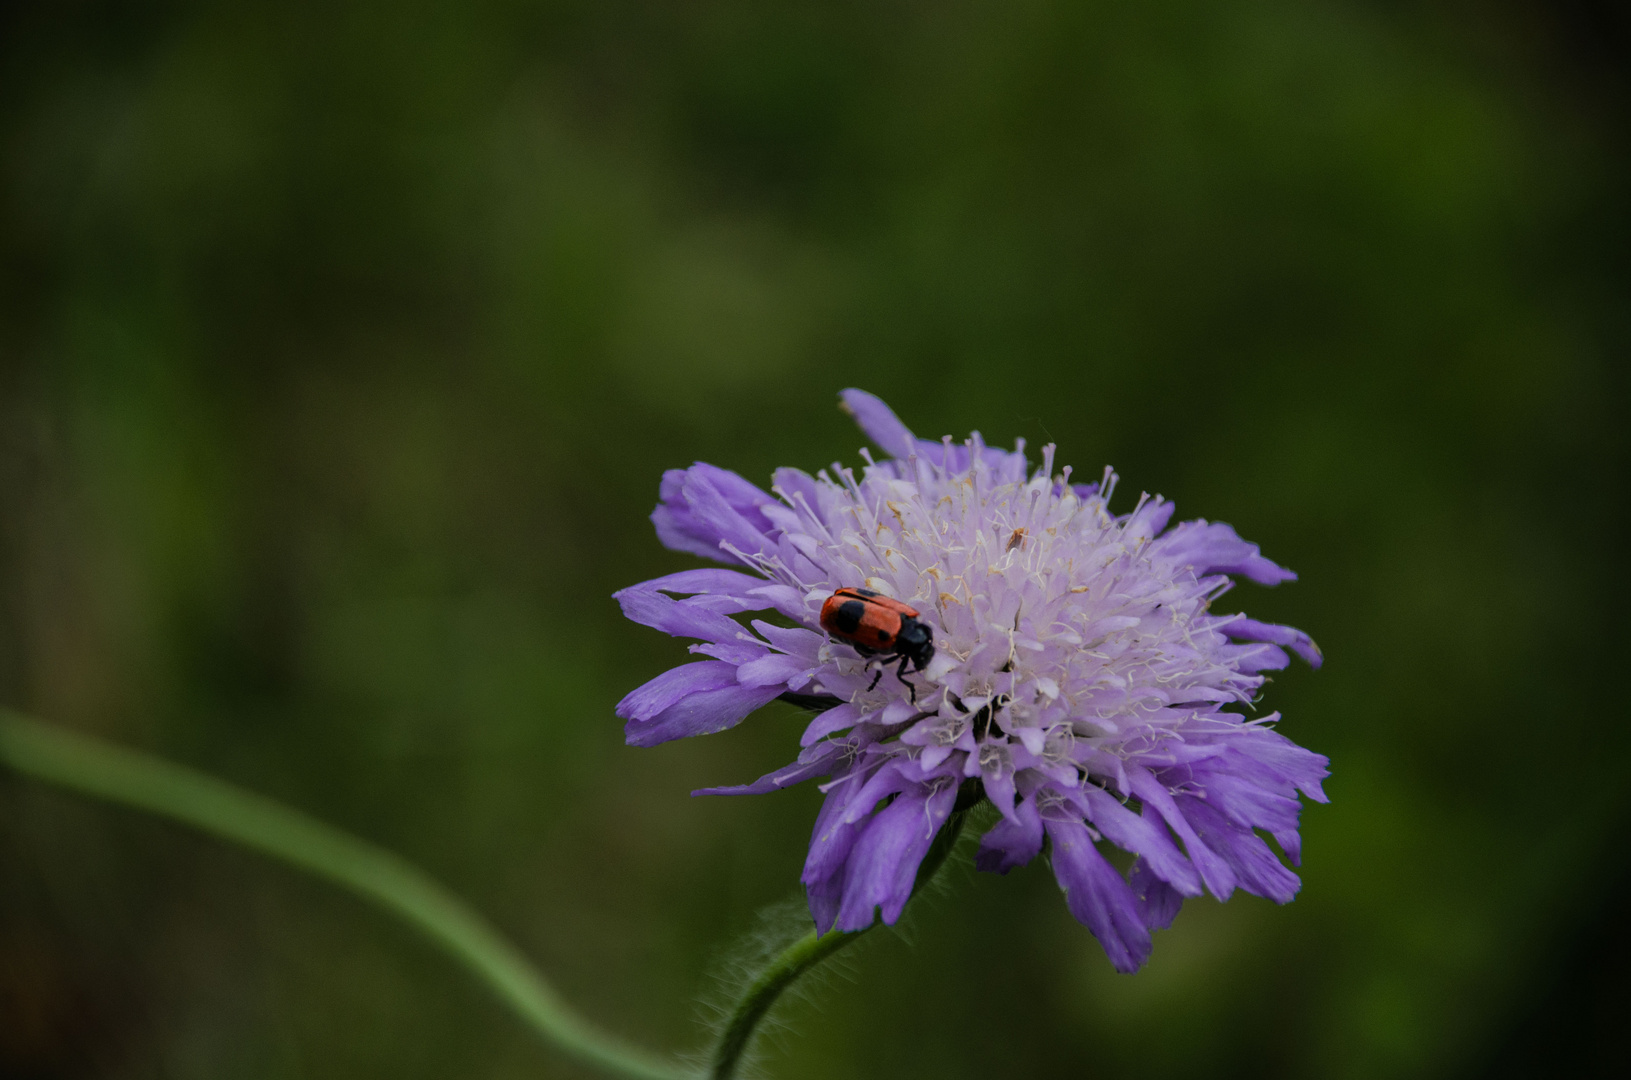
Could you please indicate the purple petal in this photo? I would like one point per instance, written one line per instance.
(1253, 863)
(723, 504)
(1142, 837)
(785, 599)
(1256, 657)
(736, 652)
(882, 866)
(1300, 767)
(1011, 843)
(996, 771)
(675, 528)
(834, 719)
(1099, 897)
(1007, 466)
(798, 488)
(1291, 842)
(702, 713)
(1216, 549)
(774, 669)
(795, 640)
(879, 422)
(830, 844)
(1253, 794)
(786, 776)
(708, 580)
(830, 840)
(673, 685)
(1157, 901)
(1148, 520)
(1215, 871)
(679, 618)
(704, 506)
(1243, 629)
(883, 783)
(826, 894)
(884, 428)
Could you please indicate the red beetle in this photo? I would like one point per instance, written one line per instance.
(877, 625)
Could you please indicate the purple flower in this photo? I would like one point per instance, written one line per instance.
(1080, 679)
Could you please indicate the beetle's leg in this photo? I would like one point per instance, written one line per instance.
(875, 679)
(900, 673)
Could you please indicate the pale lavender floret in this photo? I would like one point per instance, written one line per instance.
(1084, 686)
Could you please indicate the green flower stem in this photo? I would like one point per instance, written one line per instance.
(132, 779)
(801, 956)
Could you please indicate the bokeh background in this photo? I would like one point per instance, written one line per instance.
(342, 346)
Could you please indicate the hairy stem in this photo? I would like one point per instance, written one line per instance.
(801, 956)
(94, 768)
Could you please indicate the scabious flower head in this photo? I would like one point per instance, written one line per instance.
(1080, 679)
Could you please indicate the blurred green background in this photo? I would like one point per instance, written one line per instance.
(342, 347)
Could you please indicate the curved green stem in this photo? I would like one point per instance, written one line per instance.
(147, 783)
(801, 956)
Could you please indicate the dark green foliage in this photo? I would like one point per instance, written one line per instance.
(342, 347)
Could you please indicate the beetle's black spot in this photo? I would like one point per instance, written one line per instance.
(864, 592)
(848, 616)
